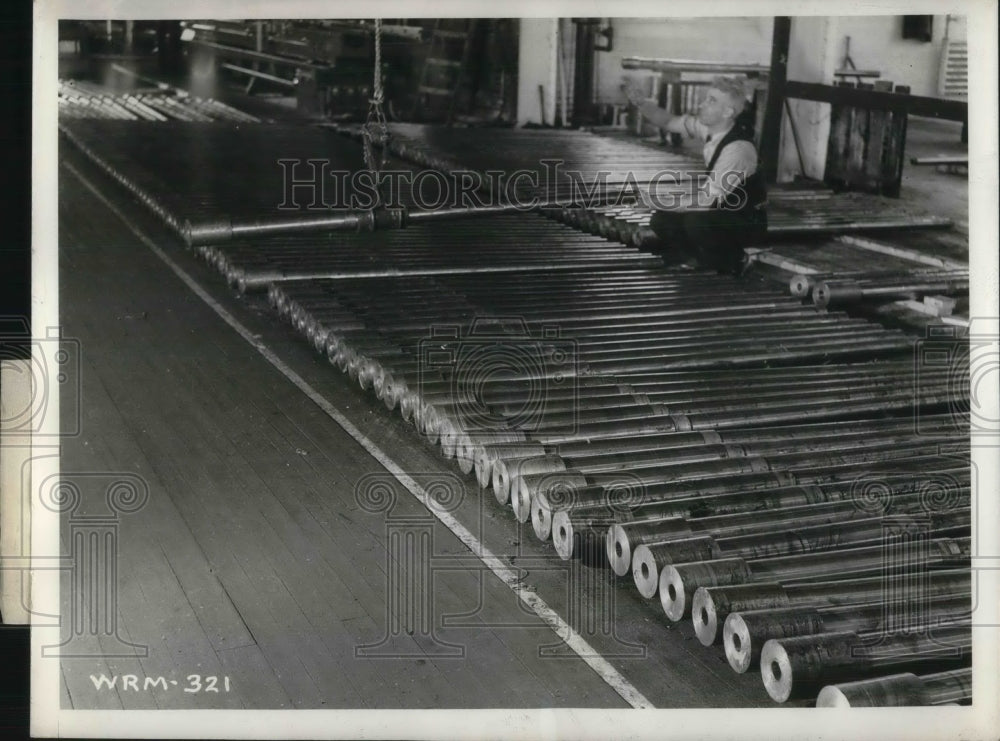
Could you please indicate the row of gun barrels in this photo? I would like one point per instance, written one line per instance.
(631, 223)
(503, 244)
(745, 440)
(75, 103)
(837, 289)
(651, 469)
(611, 170)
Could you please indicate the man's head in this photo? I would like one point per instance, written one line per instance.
(724, 100)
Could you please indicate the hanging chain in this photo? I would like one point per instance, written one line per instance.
(375, 132)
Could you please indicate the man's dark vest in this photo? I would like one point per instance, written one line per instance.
(753, 187)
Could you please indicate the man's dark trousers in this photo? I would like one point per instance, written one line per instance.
(715, 237)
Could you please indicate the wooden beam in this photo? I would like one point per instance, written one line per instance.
(916, 105)
(770, 135)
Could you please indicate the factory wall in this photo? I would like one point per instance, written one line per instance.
(877, 43)
(681, 38)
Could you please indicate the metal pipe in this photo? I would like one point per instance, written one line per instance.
(678, 582)
(610, 442)
(711, 606)
(629, 450)
(900, 690)
(707, 385)
(625, 497)
(622, 538)
(827, 293)
(745, 633)
(528, 476)
(523, 489)
(649, 559)
(690, 449)
(225, 230)
(795, 667)
(802, 285)
(692, 65)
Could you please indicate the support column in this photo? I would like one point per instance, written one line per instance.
(537, 56)
(770, 137)
(813, 56)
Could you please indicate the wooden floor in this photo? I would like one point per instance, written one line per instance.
(252, 558)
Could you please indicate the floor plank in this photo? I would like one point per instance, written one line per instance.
(261, 551)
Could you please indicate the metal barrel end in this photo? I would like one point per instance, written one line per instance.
(563, 535)
(332, 347)
(207, 232)
(355, 362)
(506, 470)
(742, 651)
(832, 696)
(520, 499)
(367, 373)
(790, 666)
(420, 408)
(465, 453)
(483, 451)
(744, 633)
(776, 671)
(895, 690)
(343, 357)
(821, 295)
(704, 618)
(710, 606)
(799, 286)
(559, 486)
(577, 539)
(448, 432)
(825, 294)
(500, 478)
(541, 519)
(430, 427)
(339, 357)
(408, 403)
(317, 336)
(645, 571)
(384, 388)
(483, 465)
(679, 582)
(619, 549)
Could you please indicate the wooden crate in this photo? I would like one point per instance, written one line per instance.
(866, 147)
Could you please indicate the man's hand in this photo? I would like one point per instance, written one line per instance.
(635, 96)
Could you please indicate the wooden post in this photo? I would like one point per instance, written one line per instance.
(770, 137)
(857, 143)
(877, 131)
(895, 148)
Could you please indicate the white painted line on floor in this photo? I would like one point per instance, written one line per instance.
(508, 576)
